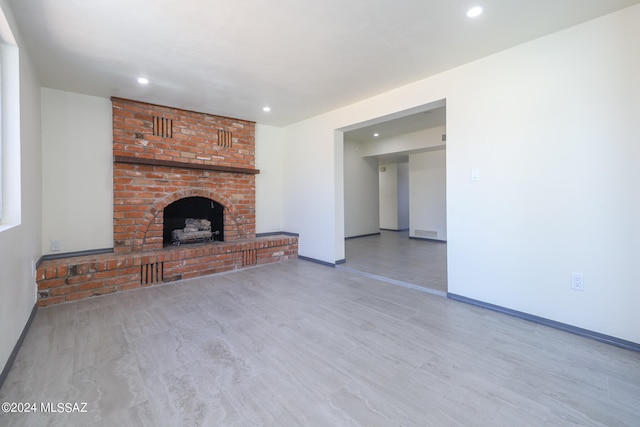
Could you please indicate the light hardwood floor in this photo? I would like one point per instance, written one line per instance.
(297, 343)
(392, 256)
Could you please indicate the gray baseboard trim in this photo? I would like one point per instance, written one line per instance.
(317, 261)
(394, 229)
(362, 235)
(276, 233)
(618, 342)
(16, 348)
(74, 254)
(341, 261)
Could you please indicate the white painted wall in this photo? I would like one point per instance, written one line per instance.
(311, 199)
(394, 195)
(338, 188)
(20, 242)
(361, 216)
(558, 177)
(428, 200)
(269, 182)
(552, 126)
(403, 196)
(77, 173)
(388, 182)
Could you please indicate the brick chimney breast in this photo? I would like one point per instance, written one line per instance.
(164, 154)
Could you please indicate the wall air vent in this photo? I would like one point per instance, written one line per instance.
(427, 234)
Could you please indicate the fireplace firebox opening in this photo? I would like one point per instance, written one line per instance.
(193, 220)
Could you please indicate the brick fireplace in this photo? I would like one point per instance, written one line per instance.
(163, 156)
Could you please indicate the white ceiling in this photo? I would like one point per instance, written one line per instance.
(398, 126)
(300, 57)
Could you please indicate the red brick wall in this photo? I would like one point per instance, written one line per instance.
(194, 135)
(141, 191)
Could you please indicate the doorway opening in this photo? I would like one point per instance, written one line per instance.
(395, 198)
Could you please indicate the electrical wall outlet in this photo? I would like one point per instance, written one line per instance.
(577, 281)
(56, 245)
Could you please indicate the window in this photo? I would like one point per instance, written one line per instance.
(1, 139)
(9, 127)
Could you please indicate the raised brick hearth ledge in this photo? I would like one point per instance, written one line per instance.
(70, 279)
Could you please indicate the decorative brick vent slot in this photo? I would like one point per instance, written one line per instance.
(151, 273)
(163, 127)
(178, 164)
(225, 138)
(249, 257)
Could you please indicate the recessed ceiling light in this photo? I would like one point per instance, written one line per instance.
(266, 109)
(376, 135)
(474, 12)
(143, 81)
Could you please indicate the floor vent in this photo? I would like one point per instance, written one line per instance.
(249, 257)
(151, 273)
(225, 138)
(430, 234)
(162, 127)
